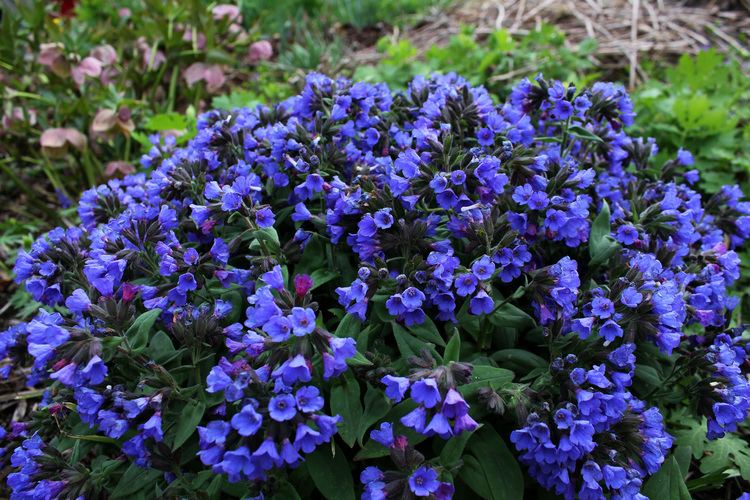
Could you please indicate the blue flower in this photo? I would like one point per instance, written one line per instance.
(395, 387)
(483, 268)
(383, 435)
(481, 303)
(412, 298)
(426, 393)
(423, 482)
(303, 321)
(247, 421)
(282, 407)
(265, 217)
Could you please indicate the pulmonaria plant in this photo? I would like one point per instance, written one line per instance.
(427, 268)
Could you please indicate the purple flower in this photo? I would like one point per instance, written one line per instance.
(186, 283)
(78, 302)
(423, 482)
(395, 387)
(383, 218)
(294, 370)
(282, 408)
(483, 268)
(485, 137)
(95, 370)
(383, 435)
(454, 405)
(303, 321)
(308, 399)
(481, 303)
(602, 307)
(610, 331)
(465, 284)
(264, 217)
(425, 392)
(247, 421)
(412, 298)
(279, 328)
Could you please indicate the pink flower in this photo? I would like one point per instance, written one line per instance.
(55, 141)
(228, 12)
(106, 54)
(212, 74)
(18, 116)
(107, 123)
(51, 55)
(151, 60)
(118, 169)
(89, 66)
(302, 284)
(188, 37)
(260, 51)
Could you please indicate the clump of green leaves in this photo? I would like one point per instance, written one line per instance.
(702, 103)
(495, 61)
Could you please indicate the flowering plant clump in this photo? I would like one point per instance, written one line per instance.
(387, 294)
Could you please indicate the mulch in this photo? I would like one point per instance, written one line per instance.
(627, 31)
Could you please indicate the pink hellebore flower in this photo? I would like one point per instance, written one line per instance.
(104, 53)
(260, 51)
(188, 37)
(151, 60)
(228, 12)
(118, 169)
(107, 123)
(17, 116)
(55, 141)
(89, 66)
(51, 55)
(212, 74)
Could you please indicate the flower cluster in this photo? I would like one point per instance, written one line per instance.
(414, 477)
(272, 413)
(349, 258)
(441, 410)
(597, 439)
(725, 392)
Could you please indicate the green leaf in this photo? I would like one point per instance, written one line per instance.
(682, 455)
(454, 449)
(490, 469)
(349, 326)
(486, 376)
(330, 472)
(726, 452)
(376, 407)
(135, 479)
(453, 349)
(138, 332)
(161, 348)
(510, 316)
(667, 483)
(167, 121)
(428, 331)
(285, 491)
(345, 402)
(189, 419)
(584, 134)
(358, 360)
(519, 360)
(648, 377)
(601, 244)
(693, 433)
(269, 237)
(322, 276)
(408, 344)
